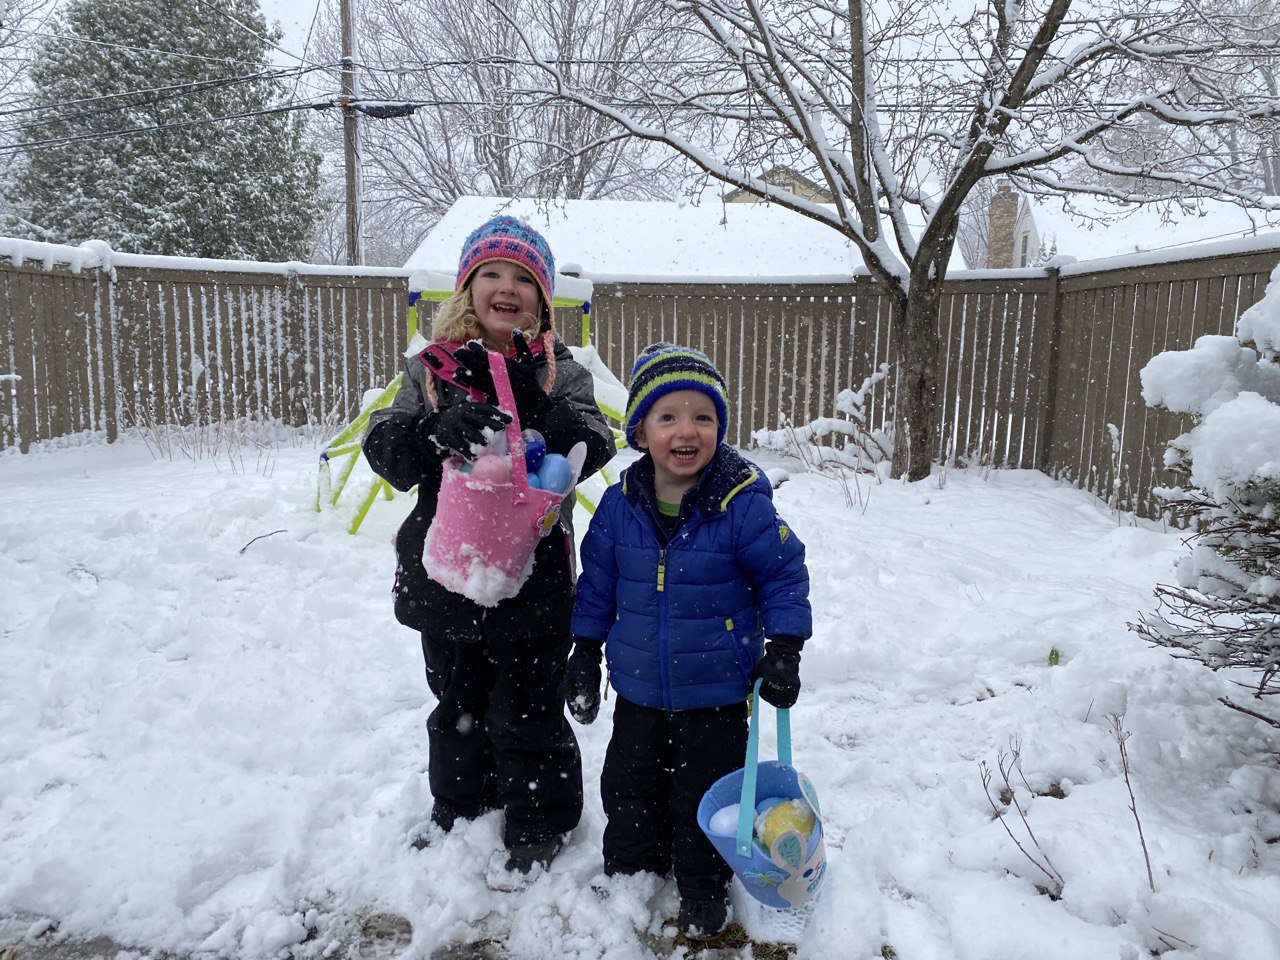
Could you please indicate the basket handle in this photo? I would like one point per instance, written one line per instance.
(515, 442)
(747, 803)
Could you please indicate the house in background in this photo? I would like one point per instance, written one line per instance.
(656, 242)
(1025, 231)
(787, 179)
(1012, 237)
(669, 242)
(661, 242)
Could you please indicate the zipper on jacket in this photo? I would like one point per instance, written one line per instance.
(664, 667)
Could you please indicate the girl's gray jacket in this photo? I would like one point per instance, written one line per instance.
(398, 446)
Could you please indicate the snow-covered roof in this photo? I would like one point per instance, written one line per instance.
(1131, 230)
(658, 241)
(671, 242)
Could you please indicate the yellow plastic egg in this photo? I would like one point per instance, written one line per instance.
(781, 817)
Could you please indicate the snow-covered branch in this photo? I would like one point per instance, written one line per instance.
(901, 112)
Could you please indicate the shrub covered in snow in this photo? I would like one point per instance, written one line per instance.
(1225, 608)
(846, 440)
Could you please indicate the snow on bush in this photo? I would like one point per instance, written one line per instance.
(1225, 609)
(861, 448)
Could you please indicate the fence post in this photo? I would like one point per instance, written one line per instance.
(296, 380)
(104, 307)
(1052, 374)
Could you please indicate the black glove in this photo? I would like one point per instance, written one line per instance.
(779, 668)
(457, 428)
(583, 675)
(473, 369)
(523, 370)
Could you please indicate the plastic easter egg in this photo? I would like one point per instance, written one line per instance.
(556, 473)
(535, 482)
(465, 468)
(725, 820)
(778, 819)
(493, 469)
(535, 448)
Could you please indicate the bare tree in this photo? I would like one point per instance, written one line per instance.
(973, 233)
(20, 22)
(901, 109)
(476, 129)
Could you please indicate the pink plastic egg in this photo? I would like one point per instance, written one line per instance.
(493, 469)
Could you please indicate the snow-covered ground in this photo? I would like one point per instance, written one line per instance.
(211, 730)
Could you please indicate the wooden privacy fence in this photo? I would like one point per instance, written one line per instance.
(94, 340)
(1040, 368)
(102, 348)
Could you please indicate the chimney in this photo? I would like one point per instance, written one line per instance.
(1002, 217)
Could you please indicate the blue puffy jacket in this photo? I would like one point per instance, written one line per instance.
(684, 619)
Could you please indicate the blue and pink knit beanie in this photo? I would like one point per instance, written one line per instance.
(664, 368)
(506, 238)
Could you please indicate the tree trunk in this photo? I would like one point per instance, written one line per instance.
(916, 406)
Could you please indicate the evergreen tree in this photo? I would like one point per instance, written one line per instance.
(208, 187)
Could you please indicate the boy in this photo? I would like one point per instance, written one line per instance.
(686, 568)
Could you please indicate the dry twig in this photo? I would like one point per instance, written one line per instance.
(1121, 737)
(1006, 764)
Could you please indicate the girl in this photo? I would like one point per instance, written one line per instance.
(498, 737)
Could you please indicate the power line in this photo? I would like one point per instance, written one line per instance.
(55, 142)
(306, 45)
(249, 30)
(125, 46)
(381, 109)
(170, 91)
(389, 109)
(416, 66)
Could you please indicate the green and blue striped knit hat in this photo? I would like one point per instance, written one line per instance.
(663, 368)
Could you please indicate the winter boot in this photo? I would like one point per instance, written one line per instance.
(703, 918)
(523, 857)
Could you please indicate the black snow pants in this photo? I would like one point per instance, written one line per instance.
(657, 767)
(499, 738)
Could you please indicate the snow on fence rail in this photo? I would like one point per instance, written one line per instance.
(1040, 367)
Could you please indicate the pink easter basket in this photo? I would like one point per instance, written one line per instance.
(482, 539)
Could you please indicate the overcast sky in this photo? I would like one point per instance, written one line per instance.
(294, 18)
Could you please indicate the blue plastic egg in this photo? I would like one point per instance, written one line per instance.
(535, 482)
(535, 448)
(556, 473)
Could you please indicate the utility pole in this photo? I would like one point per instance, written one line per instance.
(351, 137)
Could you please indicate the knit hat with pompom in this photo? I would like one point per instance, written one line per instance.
(664, 368)
(512, 240)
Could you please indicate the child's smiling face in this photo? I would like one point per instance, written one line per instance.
(505, 297)
(680, 432)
